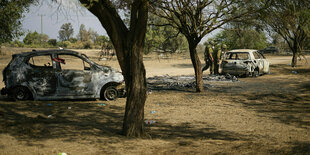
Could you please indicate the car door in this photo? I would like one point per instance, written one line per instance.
(74, 76)
(42, 76)
(259, 62)
(265, 63)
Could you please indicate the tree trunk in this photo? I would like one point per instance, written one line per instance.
(128, 44)
(197, 66)
(133, 125)
(294, 49)
(294, 59)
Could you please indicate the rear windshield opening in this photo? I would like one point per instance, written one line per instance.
(237, 56)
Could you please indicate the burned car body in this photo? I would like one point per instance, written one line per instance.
(60, 74)
(244, 62)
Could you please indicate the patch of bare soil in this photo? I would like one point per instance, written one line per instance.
(269, 114)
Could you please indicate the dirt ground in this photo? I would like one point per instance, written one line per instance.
(269, 114)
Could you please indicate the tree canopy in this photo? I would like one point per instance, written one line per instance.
(65, 32)
(289, 19)
(237, 36)
(11, 14)
(165, 38)
(35, 38)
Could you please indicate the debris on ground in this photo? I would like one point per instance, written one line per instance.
(294, 72)
(153, 112)
(185, 81)
(149, 92)
(149, 122)
(49, 104)
(101, 104)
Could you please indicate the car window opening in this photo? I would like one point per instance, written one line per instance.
(43, 61)
(238, 56)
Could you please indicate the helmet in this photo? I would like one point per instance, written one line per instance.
(224, 46)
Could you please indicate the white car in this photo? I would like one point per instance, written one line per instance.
(244, 62)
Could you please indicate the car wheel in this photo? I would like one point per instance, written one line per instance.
(21, 94)
(110, 93)
(255, 73)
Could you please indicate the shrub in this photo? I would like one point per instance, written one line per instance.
(52, 42)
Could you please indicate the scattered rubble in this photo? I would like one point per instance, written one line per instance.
(101, 104)
(149, 122)
(184, 82)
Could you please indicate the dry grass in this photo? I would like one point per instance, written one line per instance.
(265, 115)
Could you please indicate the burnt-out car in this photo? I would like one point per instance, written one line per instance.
(244, 62)
(60, 74)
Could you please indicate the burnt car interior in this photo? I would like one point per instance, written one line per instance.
(238, 56)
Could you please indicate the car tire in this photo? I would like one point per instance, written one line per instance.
(21, 94)
(255, 73)
(110, 93)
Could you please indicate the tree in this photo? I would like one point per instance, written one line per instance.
(128, 43)
(163, 38)
(92, 35)
(245, 37)
(11, 14)
(291, 20)
(195, 19)
(174, 41)
(83, 34)
(35, 38)
(154, 37)
(103, 41)
(52, 42)
(65, 32)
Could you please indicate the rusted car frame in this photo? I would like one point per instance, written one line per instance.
(48, 78)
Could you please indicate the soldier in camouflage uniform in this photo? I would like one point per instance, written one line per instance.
(224, 50)
(217, 54)
(208, 56)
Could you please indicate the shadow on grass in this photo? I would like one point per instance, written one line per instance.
(76, 120)
(286, 108)
(68, 119)
(287, 69)
(305, 87)
(186, 130)
(300, 148)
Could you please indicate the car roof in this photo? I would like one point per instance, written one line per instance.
(45, 52)
(243, 50)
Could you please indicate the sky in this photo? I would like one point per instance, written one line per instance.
(53, 17)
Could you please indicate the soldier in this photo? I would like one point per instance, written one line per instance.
(208, 56)
(224, 50)
(217, 54)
